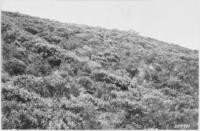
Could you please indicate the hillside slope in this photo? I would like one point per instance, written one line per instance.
(68, 76)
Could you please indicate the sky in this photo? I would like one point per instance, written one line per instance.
(173, 21)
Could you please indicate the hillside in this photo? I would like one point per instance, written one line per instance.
(67, 76)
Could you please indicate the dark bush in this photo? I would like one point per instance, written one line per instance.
(20, 53)
(15, 67)
(38, 66)
(70, 44)
(39, 69)
(132, 70)
(30, 115)
(10, 36)
(31, 30)
(54, 62)
(86, 82)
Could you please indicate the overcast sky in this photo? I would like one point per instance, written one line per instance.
(173, 21)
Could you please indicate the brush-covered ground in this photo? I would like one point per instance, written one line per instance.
(68, 76)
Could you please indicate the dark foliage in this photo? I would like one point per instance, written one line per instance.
(14, 67)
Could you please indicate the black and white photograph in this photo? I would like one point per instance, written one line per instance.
(100, 64)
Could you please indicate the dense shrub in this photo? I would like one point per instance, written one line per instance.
(54, 62)
(15, 67)
(30, 83)
(70, 44)
(51, 86)
(38, 66)
(56, 86)
(86, 82)
(85, 110)
(132, 70)
(51, 38)
(150, 58)
(10, 36)
(39, 69)
(31, 30)
(16, 105)
(102, 75)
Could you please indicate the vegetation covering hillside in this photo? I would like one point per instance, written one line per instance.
(68, 76)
